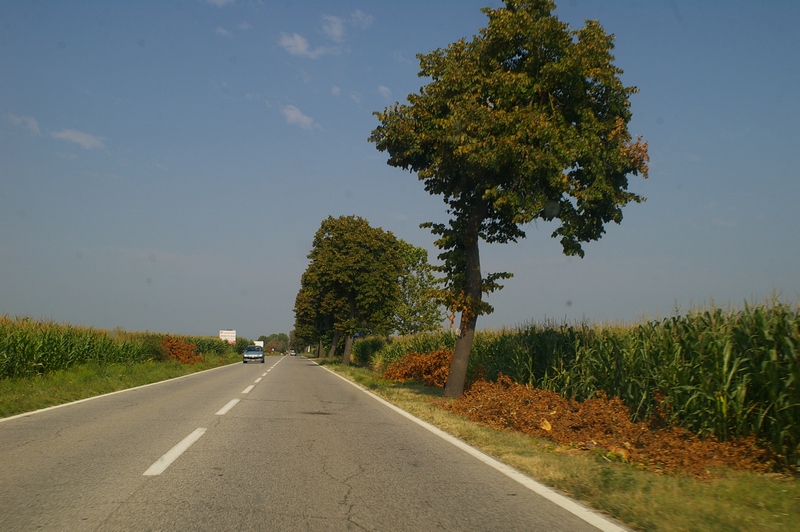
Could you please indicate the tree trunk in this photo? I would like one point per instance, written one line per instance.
(348, 340)
(319, 350)
(457, 377)
(348, 348)
(332, 352)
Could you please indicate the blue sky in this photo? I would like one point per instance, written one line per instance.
(164, 165)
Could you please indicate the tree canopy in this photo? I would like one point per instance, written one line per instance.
(351, 284)
(526, 121)
(418, 309)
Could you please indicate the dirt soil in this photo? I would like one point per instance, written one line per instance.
(600, 424)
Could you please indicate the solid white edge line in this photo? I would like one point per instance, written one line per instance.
(227, 408)
(248, 389)
(164, 462)
(564, 502)
(110, 393)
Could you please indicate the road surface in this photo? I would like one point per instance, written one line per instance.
(284, 445)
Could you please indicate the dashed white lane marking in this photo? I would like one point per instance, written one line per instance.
(163, 463)
(259, 380)
(265, 374)
(248, 389)
(225, 409)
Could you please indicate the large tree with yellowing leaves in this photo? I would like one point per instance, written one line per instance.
(527, 120)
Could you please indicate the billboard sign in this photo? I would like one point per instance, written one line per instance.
(229, 335)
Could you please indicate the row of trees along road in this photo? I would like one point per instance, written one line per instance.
(526, 121)
(362, 280)
(278, 342)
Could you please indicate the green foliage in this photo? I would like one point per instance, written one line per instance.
(351, 284)
(208, 346)
(241, 343)
(364, 349)
(419, 343)
(418, 309)
(34, 347)
(153, 345)
(526, 121)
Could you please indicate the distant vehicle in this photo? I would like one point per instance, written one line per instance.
(253, 352)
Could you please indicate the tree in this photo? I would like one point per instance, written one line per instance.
(351, 284)
(418, 309)
(275, 342)
(527, 121)
(314, 312)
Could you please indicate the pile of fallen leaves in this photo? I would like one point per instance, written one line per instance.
(598, 424)
(430, 368)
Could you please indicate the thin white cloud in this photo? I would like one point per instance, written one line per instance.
(336, 91)
(356, 97)
(298, 45)
(385, 91)
(222, 31)
(87, 141)
(27, 122)
(244, 26)
(333, 27)
(220, 3)
(360, 19)
(296, 117)
(400, 58)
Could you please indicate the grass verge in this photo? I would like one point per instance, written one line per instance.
(26, 394)
(732, 500)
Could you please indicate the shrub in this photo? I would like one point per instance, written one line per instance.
(181, 350)
(364, 350)
(156, 348)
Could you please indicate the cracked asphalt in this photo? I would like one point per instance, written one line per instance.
(303, 450)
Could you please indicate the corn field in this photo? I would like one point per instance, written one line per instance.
(726, 373)
(31, 347)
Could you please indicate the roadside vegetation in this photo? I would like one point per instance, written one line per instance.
(43, 363)
(729, 374)
(723, 498)
(685, 423)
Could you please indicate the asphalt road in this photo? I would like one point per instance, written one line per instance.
(285, 445)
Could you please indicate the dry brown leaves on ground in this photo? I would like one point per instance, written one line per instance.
(600, 423)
